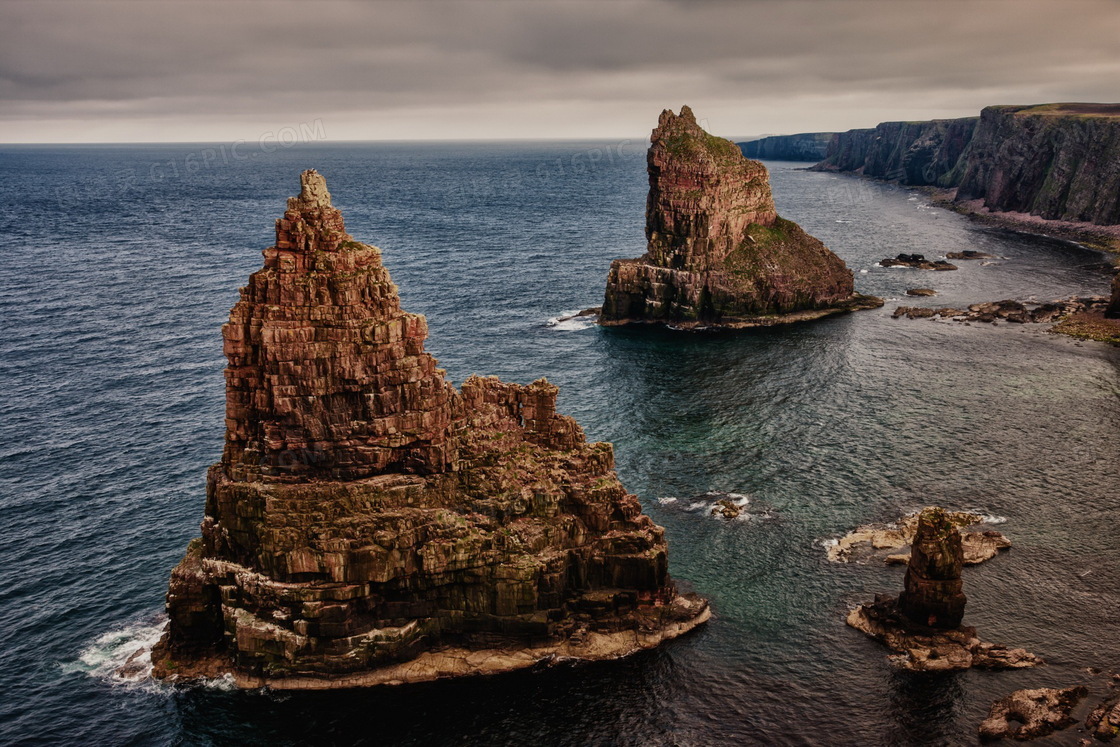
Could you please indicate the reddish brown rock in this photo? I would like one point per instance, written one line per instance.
(370, 524)
(1114, 303)
(718, 254)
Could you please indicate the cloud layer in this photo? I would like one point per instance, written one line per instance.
(131, 71)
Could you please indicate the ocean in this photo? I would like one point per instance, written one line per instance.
(121, 263)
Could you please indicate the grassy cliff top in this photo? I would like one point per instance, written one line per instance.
(1065, 109)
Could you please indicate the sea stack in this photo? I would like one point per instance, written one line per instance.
(718, 254)
(371, 524)
(934, 593)
(923, 625)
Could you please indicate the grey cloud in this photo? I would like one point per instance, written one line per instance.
(136, 62)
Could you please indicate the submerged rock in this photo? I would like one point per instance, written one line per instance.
(969, 254)
(718, 254)
(369, 523)
(921, 292)
(1027, 714)
(923, 624)
(878, 542)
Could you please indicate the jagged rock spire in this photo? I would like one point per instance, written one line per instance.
(327, 374)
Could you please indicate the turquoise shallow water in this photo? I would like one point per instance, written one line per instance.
(117, 278)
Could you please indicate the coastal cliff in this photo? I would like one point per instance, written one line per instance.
(718, 254)
(917, 153)
(805, 146)
(1059, 162)
(371, 524)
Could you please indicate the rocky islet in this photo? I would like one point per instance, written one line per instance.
(718, 254)
(371, 524)
(923, 626)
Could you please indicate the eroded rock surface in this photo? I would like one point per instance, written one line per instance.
(890, 543)
(923, 625)
(1010, 310)
(921, 648)
(369, 523)
(1104, 721)
(1028, 714)
(718, 254)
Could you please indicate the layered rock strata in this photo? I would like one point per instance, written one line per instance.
(369, 523)
(718, 254)
(916, 153)
(934, 594)
(922, 626)
(1060, 162)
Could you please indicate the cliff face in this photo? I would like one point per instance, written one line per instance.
(1060, 161)
(805, 146)
(717, 251)
(369, 523)
(1114, 306)
(1055, 161)
(918, 153)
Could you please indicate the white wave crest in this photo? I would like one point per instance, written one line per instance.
(570, 321)
(122, 656)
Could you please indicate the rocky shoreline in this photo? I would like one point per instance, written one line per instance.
(1087, 318)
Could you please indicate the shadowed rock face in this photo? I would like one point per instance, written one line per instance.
(370, 524)
(717, 251)
(805, 146)
(933, 595)
(1056, 161)
(1114, 305)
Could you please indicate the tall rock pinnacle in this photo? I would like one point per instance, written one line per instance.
(933, 594)
(369, 523)
(718, 254)
(327, 375)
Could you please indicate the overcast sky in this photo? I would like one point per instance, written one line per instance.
(87, 71)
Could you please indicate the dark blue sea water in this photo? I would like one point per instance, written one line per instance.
(120, 264)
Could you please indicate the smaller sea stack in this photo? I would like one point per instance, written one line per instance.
(718, 254)
(934, 594)
(923, 626)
